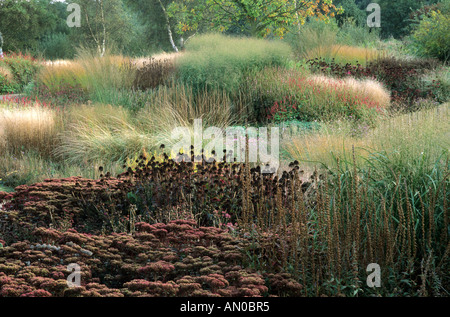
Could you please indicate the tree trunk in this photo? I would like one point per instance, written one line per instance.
(169, 30)
(103, 49)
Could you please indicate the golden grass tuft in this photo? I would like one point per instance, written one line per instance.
(56, 75)
(107, 72)
(177, 106)
(30, 128)
(344, 54)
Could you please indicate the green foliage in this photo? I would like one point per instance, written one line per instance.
(105, 23)
(313, 35)
(57, 46)
(395, 16)
(261, 18)
(351, 33)
(23, 69)
(7, 82)
(351, 12)
(24, 22)
(221, 62)
(287, 95)
(431, 37)
(149, 17)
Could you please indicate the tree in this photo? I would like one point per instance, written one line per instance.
(259, 18)
(351, 11)
(184, 18)
(431, 37)
(169, 29)
(263, 17)
(189, 16)
(152, 23)
(395, 16)
(104, 23)
(1, 45)
(24, 22)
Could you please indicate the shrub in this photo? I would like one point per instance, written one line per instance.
(7, 81)
(22, 67)
(289, 95)
(431, 38)
(403, 78)
(57, 46)
(439, 84)
(221, 62)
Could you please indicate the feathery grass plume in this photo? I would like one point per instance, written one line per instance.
(177, 105)
(370, 90)
(101, 131)
(30, 128)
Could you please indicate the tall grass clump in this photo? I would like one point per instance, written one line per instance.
(178, 105)
(105, 75)
(31, 167)
(315, 35)
(62, 82)
(411, 145)
(357, 35)
(221, 62)
(32, 128)
(57, 75)
(98, 132)
(321, 39)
